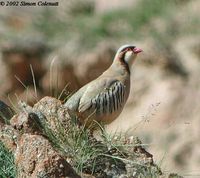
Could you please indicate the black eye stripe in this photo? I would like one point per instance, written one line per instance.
(128, 49)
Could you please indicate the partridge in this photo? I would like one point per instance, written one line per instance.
(103, 99)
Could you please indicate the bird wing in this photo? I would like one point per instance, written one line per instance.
(82, 94)
(73, 102)
(103, 96)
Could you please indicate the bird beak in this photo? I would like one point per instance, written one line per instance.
(137, 50)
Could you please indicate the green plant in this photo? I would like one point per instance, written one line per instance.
(88, 155)
(7, 166)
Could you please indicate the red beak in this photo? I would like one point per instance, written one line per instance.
(137, 50)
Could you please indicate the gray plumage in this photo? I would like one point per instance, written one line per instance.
(104, 98)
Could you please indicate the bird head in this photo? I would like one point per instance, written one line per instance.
(127, 54)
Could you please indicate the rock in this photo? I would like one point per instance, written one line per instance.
(9, 137)
(48, 113)
(54, 112)
(37, 153)
(6, 112)
(35, 157)
(87, 176)
(107, 166)
(116, 162)
(26, 122)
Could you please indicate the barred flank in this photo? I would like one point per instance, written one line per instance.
(110, 100)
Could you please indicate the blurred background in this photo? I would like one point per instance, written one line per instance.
(56, 50)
